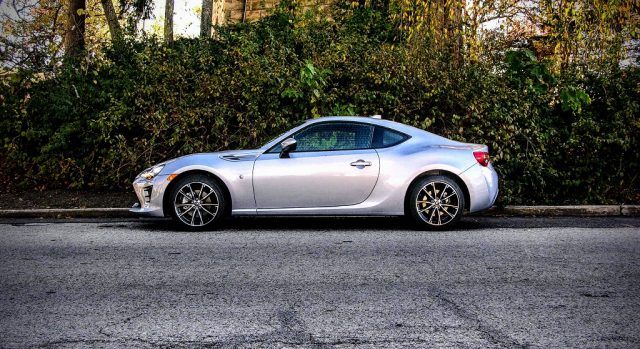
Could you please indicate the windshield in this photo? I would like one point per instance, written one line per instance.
(274, 138)
(283, 133)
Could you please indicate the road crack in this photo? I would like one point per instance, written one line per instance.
(488, 332)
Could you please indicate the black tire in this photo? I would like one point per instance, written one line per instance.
(436, 202)
(192, 200)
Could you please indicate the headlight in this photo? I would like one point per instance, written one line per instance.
(151, 172)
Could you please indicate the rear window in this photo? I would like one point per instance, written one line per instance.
(384, 137)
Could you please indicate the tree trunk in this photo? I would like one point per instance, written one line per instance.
(168, 21)
(383, 6)
(75, 28)
(112, 20)
(205, 20)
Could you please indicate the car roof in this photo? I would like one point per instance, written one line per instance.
(414, 132)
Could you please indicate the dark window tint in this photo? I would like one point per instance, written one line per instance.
(332, 136)
(384, 137)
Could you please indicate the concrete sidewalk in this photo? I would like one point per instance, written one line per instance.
(517, 211)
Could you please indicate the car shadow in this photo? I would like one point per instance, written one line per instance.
(469, 222)
(396, 223)
(292, 223)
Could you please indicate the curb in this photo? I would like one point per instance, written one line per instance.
(630, 210)
(522, 211)
(566, 211)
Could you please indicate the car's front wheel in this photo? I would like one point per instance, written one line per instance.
(197, 202)
(436, 202)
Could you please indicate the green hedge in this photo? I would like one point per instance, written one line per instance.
(562, 137)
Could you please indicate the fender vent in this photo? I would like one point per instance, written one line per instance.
(238, 157)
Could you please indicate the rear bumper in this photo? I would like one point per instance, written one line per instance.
(482, 183)
(150, 195)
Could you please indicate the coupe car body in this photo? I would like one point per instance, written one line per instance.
(326, 166)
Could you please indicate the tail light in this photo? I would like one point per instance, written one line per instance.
(482, 157)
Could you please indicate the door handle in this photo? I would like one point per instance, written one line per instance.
(361, 163)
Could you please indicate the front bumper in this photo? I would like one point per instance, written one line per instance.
(150, 195)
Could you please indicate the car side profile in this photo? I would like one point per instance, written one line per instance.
(335, 166)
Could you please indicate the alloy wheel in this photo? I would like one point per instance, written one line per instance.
(437, 203)
(196, 204)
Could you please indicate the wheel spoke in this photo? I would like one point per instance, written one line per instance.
(209, 212)
(206, 196)
(429, 195)
(193, 195)
(426, 208)
(447, 212)
(187, 210)
(433, 212)
(184, 195)
(450, 195)
(200, 215)
(426, 193)
(444, 191)
(202, 193)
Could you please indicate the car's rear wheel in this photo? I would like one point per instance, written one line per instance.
(197, 202)
(436, 202)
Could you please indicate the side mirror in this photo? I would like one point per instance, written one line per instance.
(288, 145)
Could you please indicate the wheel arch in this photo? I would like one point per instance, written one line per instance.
(439, 172)
(166, 202)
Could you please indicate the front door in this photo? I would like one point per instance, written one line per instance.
(333, 165)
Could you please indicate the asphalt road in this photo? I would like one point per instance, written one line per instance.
(321, 283)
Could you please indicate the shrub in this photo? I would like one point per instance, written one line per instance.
(556, 137)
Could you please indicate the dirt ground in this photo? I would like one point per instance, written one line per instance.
(21, 199)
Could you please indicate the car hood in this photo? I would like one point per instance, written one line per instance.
(229, 155)
(209, 161)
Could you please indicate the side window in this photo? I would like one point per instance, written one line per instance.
(334, 136)
(384, 137)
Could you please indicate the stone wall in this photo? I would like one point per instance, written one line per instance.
(234, 11)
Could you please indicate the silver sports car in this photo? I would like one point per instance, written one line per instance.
(338, 166)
